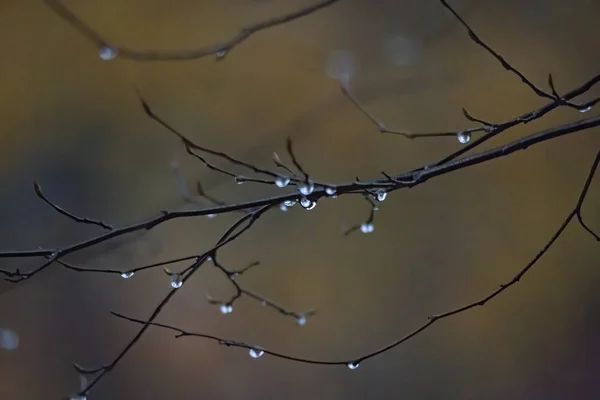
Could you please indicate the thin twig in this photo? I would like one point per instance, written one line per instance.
(83, 220)
(354, 362)
(220, 49)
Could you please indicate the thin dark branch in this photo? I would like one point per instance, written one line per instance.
(250, 218)
(191, 145)
(497, 56)
(431, 320)
(415, 177)
(219, 49)
(232, 275)
(83, 220)
(290, 150)
(408, 135)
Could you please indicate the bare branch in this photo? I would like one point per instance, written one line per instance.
(220, 50)
(41, 195)
(354, 362)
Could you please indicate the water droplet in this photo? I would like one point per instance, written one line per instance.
(381, 195)
(127, 275)
(353, 365)
(239, 180)
(221, 53)
(402, 51)
(341, 66)
(176, 281)
(367, 227)
(330, 190)
(307, 204)
(464, 137)
(256, 352)
(9, 339)
(283, 207)
(306, 188)
(211, 215)
(78, 398)
(226, 309)
(584, 110)
(107, 53)
(282, 181)
(301, 320)
(289, 203)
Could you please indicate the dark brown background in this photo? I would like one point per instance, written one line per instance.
(72, 122)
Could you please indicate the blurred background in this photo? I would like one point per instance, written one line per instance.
(72, 122)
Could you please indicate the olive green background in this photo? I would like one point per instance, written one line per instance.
(73, 122)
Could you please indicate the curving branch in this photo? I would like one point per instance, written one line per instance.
(304, 190)
(399, 181)
(220, 50)
(353, 363)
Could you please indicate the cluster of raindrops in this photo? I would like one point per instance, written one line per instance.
(107, 53)
(256, 352)
(226, 309)
(463, 137)
(341, 66)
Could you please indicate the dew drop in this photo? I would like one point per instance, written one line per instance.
(239, 180)
(127, 275)
(283, 207)
(353, 365)
(107, 53)
(463, 137)
(78, 398)
(221, 53)
(367, 227)
(176, 281)
(301, 320)
(307, 204)
(289, 203)
(211, 215)
(381, 195)
(226, 309)
(330, 191)
(584, 110)
(256, 353)
(282, 181)
(9, 339)
(306, 188)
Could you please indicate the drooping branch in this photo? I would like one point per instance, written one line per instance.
(220, 50)
(353, 363)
